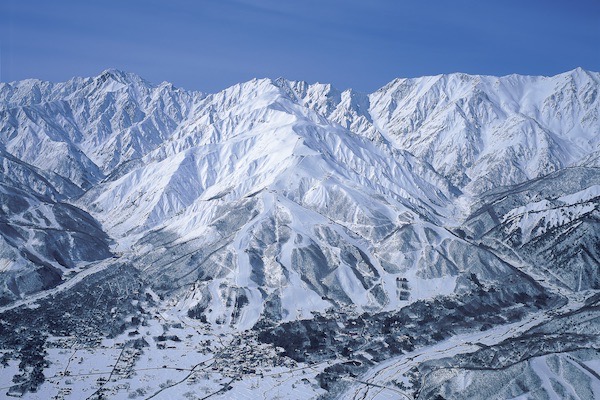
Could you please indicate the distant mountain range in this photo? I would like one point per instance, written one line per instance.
(432, 209)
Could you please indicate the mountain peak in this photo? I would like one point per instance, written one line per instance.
(116, 79)
(113, 73)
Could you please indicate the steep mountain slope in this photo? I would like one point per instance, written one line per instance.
(482, 132)
(84, 128)
(41, 238)
(552, 218)
(264, 202)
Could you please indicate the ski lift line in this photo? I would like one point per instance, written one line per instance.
(109, 376)
(584, 366)
(192, 371)
(69, 360)
(381, 387)
(530, 271)
(192, 252)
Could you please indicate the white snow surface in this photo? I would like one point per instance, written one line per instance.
(286, 192)
(336, 170)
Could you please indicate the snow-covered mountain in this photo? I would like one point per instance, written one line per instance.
(84, 128)
(478, 131)
(467, 202)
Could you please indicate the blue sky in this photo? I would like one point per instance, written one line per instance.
(210, 44)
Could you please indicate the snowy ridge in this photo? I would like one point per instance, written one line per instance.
(292, 163)
(478, 131)
(41, 238)
(83, 128)
(535, 219)
(482, 131)
(373, 170)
